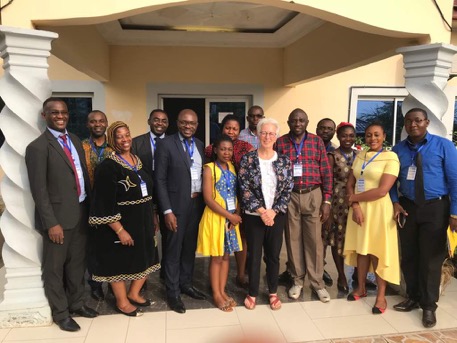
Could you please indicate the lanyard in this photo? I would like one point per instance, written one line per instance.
(190, 149)
(94, 149)
(365, 163)
(152, 143)
(133, 167)
(298, 148)
(347, 157)
(66, 145)
(225, 174)
(414, 153)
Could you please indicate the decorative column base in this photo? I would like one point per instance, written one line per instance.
(23, 88)
(427, 69)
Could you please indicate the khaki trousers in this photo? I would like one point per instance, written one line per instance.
(304, 238)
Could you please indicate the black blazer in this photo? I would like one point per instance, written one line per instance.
(141, 146)
(172, 177)
(52, 182)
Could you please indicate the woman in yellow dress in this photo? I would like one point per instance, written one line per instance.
(371, 232)
(218, 232)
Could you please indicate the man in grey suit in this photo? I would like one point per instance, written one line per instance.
(144, 146)
(59, 183)
(178, 180)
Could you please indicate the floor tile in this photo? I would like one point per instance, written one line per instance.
(260, 319)
(448, 303)
(354, 326)
(335, 308)
(151, 327)
(447, 336)
(55, 340)
(201, 318)
(48, 332)
(112, 328)
(295, 324)
(224, 334)
(374, 339)
(3, 333)
(426, 337)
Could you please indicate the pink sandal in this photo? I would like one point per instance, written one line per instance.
(275, 303)
(249, 302)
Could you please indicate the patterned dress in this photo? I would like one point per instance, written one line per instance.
(340, 209)
(118, 197)
(213, 238)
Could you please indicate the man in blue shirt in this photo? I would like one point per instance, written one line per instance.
(424, 215)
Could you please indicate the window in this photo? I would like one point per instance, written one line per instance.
(378, 104)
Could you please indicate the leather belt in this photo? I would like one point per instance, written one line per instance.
(195, 194)
(305, 190)
(444, 197)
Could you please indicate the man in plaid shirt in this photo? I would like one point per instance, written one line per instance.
(309, 205)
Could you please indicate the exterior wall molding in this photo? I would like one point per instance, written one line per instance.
(427, 69)
(23, 88)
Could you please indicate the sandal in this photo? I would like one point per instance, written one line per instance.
(249, 302)
(232, 302)
(225, 307)
(275, 303)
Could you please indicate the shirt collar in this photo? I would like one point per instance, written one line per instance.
(422, 142)
(56, 133)
(154, 136)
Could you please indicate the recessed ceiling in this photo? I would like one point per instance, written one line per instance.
(228, 24)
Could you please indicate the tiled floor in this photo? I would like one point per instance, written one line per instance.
(304, 320)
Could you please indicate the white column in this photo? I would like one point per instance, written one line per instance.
(23, 88)
(427, 69)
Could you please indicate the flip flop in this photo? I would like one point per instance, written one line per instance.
(232, 302)
(225, 307)
(275, 303)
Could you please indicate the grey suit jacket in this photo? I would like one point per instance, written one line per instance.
(172, 176)
(52, 182)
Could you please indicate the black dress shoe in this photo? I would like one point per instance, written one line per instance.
(97, 294)
(68, 324)
(135, 313)
(193, 293)
(146, 303)
(327, 279)
(428, 319)
(176, 304)
(85, 312)
(406, 306)
(343, 289)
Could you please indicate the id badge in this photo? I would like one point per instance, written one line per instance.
(361, 185)
(231, 205)
(144, 189)
(411, 173)
(298, 170)
(194, 173)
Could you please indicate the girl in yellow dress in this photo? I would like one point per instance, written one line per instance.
(371, 231)
(218, 233)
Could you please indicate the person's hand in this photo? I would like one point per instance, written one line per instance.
(453, 224)
(235, 219)
(55, 234)
(324, 212)
(328, 223)
(171, 222)
(155, 218)
(357, 215)
(268, 217)
(125, 238)
(398, 209)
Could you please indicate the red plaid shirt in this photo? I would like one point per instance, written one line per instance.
(313, 157)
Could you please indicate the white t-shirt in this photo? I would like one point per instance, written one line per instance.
(269, 180)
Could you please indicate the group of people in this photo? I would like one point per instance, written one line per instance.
(240, 195)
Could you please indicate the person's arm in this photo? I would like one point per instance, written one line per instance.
(328, 223)
(208, 196)
(450, 172)
(281, 205)
(247, 185)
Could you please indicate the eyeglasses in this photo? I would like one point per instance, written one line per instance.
(56, 113)
(255, 115)
(417, 121)
(269, 134)
(187, 123)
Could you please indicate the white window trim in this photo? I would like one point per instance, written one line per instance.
(75, 88)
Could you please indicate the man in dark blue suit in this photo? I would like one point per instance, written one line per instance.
(178, 180)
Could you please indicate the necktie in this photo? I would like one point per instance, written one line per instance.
(70, 158)
(419, 182)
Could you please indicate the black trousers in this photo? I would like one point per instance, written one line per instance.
(423, 249)
(63, 269)
(269, 238)
(180, 249)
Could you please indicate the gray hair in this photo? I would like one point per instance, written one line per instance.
(265, 121)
